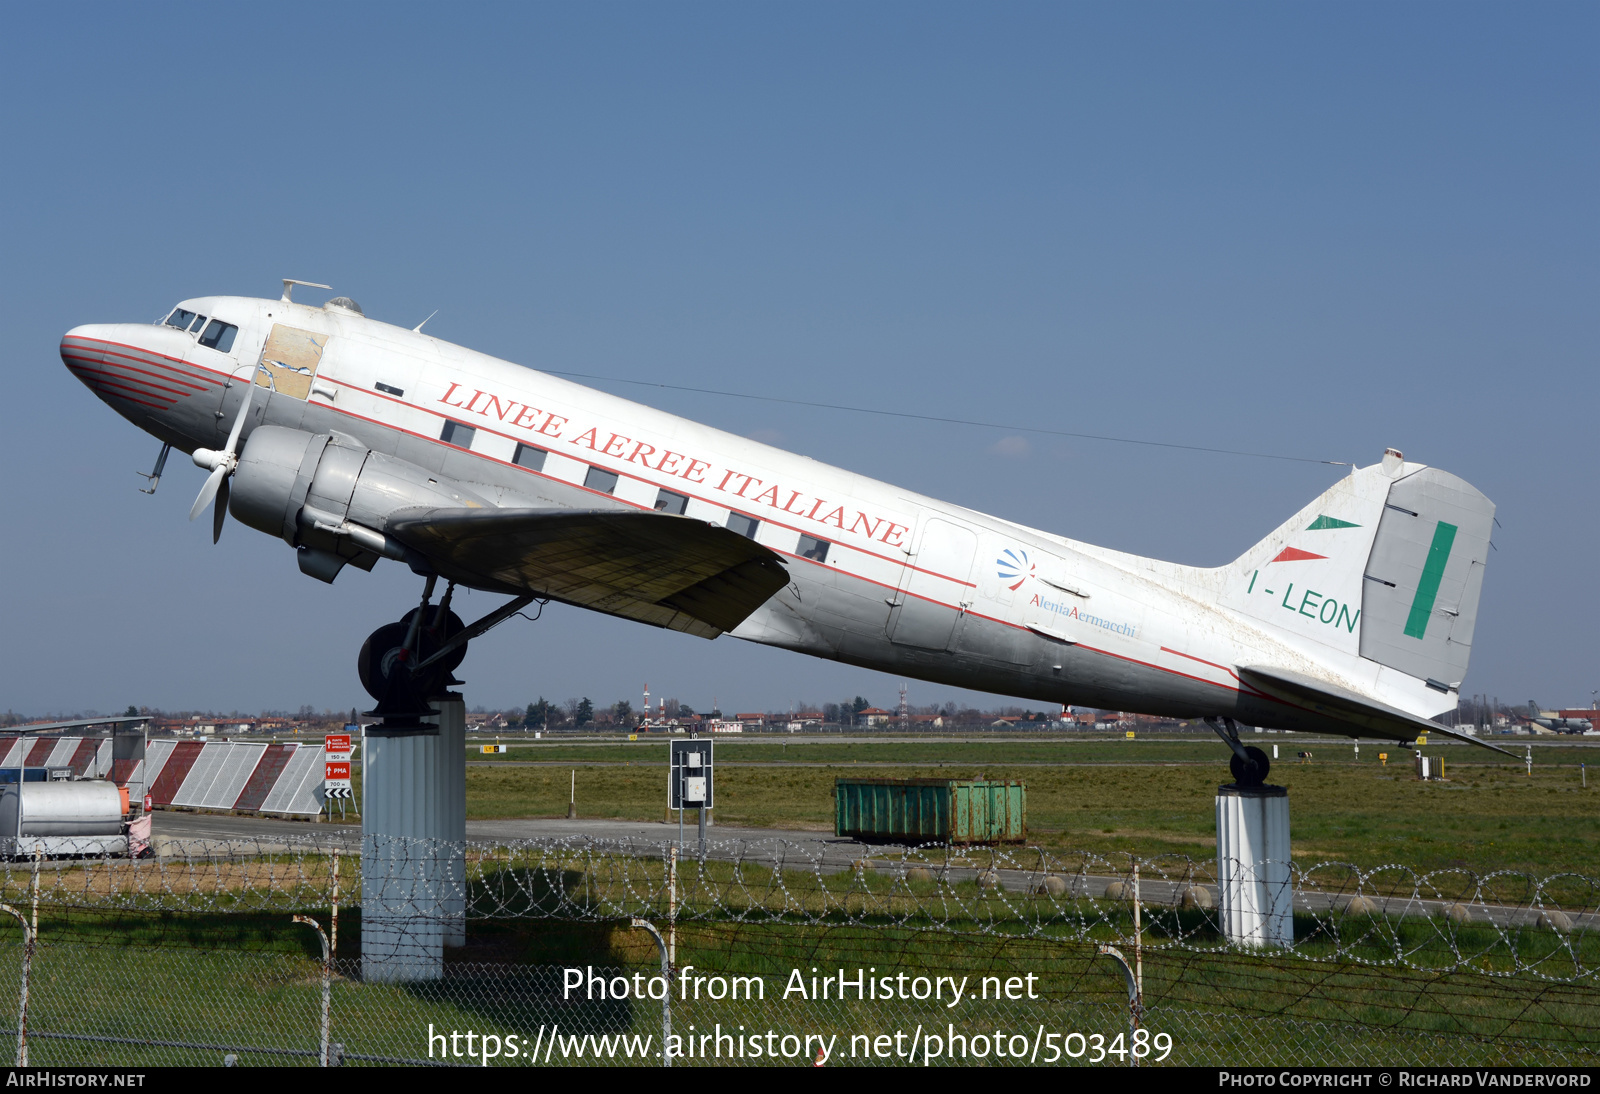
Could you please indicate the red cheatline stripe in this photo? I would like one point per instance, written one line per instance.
(123, 376)
(116, 391)
(148, 356)
(169, 369)
(128, 383)
(168, 373)
(158, 361)
(1295, 554)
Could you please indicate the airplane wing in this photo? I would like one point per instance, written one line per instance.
(1357, 711)
(669, 571)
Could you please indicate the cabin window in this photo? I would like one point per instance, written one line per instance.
(668, 502)
(600, 479)
(457, 434)
(745, 526)
(219, 336)
(530, 457)
(199, 321)
(390, 389)
(180, 319)
(814, 549)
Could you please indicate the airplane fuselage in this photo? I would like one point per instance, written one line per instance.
(882, 577)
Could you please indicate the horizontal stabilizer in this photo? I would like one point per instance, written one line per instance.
(1357, 711)
(669, 571)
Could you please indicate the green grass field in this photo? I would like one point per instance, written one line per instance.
(1144, 796)
(253, 980)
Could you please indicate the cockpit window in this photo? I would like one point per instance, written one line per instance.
(180, 318)
(219, 336)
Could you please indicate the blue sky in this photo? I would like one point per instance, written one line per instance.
(1309, 229)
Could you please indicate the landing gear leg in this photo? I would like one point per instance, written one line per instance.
(1248, 764)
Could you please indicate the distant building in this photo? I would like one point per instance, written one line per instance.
(875, 716)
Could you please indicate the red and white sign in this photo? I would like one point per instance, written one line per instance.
(336, 765)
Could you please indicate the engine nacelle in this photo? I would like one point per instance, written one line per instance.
(330, 496)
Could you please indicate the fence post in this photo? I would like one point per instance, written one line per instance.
(1138, 961)
(666, 999)
(27, 965)
(333, 926)
(322, 1053)
(1133, 991)
(672, 911)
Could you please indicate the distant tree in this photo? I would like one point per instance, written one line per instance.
(684, 710)
(859, 705)
(584, 713)
(537, 715)
(830, 713)
(622, 711)
(131, 712)
(671, 708)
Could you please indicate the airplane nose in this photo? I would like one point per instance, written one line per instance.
(137, 368)
(83, 352)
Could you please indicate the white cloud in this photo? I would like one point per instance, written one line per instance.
(1014, 447)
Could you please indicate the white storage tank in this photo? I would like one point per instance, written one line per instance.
(63, 818)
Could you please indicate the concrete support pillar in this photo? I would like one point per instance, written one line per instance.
(452, 832)
(1254, 882)
(403, 874)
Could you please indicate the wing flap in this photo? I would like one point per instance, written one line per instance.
(1358, 711)
(656, 568)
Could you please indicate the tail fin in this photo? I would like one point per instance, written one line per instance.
(1387, 565)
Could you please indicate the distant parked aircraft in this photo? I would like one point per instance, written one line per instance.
(1562, 721)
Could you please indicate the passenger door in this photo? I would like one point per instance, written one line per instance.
(935, 587)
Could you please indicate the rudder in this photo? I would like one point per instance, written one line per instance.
(1424, 576)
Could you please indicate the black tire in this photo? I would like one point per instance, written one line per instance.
(1255, 772)
(378, 653)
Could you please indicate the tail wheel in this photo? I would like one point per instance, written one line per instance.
(1253, 773)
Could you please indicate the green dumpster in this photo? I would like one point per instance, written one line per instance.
(952, 811)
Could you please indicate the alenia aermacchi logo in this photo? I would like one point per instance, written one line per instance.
(1013, 566)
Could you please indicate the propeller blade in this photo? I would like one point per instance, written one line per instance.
(219, 514)
(209, 490)
(238, 423)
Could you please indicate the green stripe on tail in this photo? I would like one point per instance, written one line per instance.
(1444, 537)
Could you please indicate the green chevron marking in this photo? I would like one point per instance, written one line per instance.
(1322, 524)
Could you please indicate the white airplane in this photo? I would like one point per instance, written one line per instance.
(354, 440)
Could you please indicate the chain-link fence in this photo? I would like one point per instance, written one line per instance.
(776, 951)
